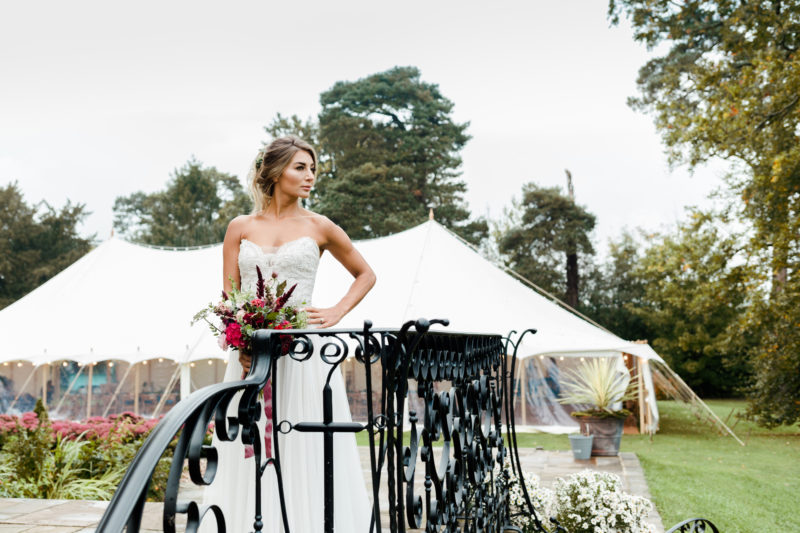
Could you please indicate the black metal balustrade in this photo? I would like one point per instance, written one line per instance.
(465, 489)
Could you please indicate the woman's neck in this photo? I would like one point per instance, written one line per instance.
(281, 208)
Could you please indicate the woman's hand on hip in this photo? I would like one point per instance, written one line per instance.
(323, 318)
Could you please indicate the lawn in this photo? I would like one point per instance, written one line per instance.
(694, 472)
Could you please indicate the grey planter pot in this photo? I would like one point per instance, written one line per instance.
(607, 434)
(581, 446)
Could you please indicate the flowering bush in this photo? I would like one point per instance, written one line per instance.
(541, 499)
(590, 502)
(242, 313)
(64, 459)
(586, 502)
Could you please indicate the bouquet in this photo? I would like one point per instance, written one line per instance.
(242, 313)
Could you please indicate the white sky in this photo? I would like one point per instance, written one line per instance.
(100, 99)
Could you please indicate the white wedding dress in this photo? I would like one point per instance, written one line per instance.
(299, 398)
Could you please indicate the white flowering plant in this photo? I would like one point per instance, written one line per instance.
(593, 502)
(541, 498)
(586, 502)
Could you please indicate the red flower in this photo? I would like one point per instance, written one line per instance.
(233, 335)
(258, 302)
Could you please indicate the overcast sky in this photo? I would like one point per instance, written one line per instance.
(100, 99)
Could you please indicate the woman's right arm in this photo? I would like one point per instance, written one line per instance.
(230, 253)
(230, 268)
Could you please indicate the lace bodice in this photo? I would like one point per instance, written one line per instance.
(295, 261)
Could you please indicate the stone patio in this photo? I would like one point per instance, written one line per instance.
(72, 516)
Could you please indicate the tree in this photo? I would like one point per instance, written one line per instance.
(696, 287)
(545, 228)
(36, 242)
(614, 290)
(391, 149)
(194, 209)
(729, 87)
(771, 331)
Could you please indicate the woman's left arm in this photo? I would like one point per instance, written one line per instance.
(339, 245)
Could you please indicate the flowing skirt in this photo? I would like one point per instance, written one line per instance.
(299, 398)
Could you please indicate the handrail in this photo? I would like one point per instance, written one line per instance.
(462, 388)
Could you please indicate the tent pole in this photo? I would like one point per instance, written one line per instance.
(89, 392)
(71, 384)
(523, 395)
(695, 398)
(56, 375)
(21, 390)
(45, 368)
(116, 392)
(186, 380)
(167, 391)
(137, 384)
(640, 387)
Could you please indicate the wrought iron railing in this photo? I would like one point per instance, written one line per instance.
(461, 393)
(694, 525)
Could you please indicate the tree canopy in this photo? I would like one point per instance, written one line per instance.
(194, 209)
(614, 289)
(695, 289)
(542, 229)
(389, 151)
(728, 86)
(36, 242)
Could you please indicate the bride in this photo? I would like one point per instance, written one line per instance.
(283, 237)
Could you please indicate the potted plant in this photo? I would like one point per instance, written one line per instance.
(601, 384)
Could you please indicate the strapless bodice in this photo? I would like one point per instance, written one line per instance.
(295, 261)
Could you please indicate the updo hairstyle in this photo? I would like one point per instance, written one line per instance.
(270, 163)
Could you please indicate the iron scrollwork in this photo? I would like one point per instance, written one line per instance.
(694, 525)
(451, 416)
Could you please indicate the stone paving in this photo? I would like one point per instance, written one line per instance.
(72, 516)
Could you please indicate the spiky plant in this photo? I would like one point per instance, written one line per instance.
(598, 382)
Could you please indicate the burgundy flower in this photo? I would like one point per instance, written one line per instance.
(280, 302)
(259, 284)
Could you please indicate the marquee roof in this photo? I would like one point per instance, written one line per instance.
(131, 302)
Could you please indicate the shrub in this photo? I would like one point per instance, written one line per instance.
(586, 502)
(593, 502)
(73, 460)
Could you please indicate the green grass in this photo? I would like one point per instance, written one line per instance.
(692, 471)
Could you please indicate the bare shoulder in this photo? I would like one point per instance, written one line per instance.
(236, 227)
(328, 231)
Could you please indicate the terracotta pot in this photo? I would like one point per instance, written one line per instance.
(607, 434)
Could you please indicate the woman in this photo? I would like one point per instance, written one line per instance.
(283, 237)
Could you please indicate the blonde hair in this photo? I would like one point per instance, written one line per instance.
(270, 163)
